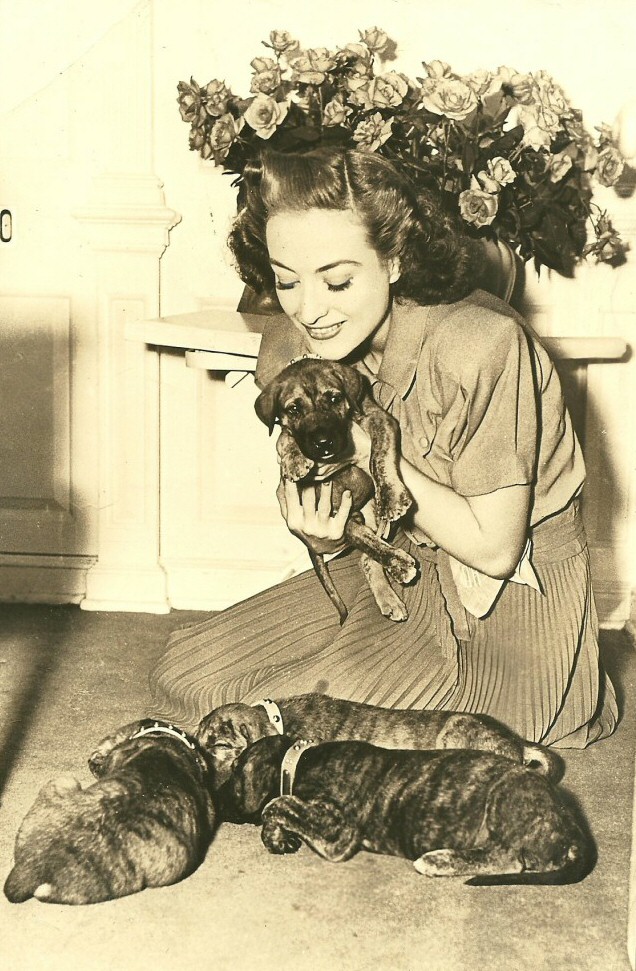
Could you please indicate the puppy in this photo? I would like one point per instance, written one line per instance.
(227, 731)
(314, 402)
(454, 813)
(147, 822)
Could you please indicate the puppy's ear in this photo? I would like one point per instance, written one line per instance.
(266, 405)
(98, 758)
(356, 387)
(256, 776)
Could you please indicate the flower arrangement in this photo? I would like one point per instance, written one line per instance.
(505, 149)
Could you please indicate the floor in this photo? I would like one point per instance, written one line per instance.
(68, 677)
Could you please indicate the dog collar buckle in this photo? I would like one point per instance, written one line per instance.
(290, 763)
(273, 713)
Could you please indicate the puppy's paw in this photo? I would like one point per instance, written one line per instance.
(436, 863)
(401, 566)
(392, 501)
(390, 605)
(295, 467)
(278, 840)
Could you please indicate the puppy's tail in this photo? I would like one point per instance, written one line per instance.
(543, 760)
(579, 861)
(322, 571)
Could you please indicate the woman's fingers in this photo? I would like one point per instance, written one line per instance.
(323, 505)
(309, 511)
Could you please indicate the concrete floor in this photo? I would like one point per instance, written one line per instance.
(69, 677)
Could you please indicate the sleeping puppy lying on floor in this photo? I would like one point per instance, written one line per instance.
(454, 813)
(147, 822)
(227, 731)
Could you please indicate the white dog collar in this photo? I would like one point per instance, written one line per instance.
(165, 728)
(290, 763)
(273, 713)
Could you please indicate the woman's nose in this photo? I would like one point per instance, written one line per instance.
(311, 306)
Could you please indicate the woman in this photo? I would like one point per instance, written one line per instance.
(502, 617)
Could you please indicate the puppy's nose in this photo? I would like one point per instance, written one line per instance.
(324, 445)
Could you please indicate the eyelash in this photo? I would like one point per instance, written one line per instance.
(332, 287)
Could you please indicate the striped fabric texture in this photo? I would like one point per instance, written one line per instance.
(532, 662)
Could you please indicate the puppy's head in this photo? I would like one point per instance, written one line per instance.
(123, 746)
(97, 759)
(254, 780)
(314, 400)
(226, 732)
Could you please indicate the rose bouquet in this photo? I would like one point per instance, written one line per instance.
(506, 150)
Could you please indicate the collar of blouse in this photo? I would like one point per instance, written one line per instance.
(282, 342)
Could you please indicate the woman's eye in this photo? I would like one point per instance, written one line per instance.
(284, 286)
(338, 287)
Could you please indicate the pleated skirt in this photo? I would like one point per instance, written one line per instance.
(532, 662)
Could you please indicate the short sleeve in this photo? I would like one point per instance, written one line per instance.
(486, 373)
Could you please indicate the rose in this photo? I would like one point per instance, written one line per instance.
(199, 143)
(216, 95)
(373, 132)
(499, 173)
(358, 59)
(534, 136)
(501, 170)
(437, 69)
(310, 66)
(190, 102)
(503, 76)
(359, 91)
(559, 167)
(388, 90)
(335, 112)
(609, 166)
(223, 134)
(264, 115)
(375, 39)
(479, 81)
(450, 97)
(549, 94)
(477, 207)
(522, 88)
(267, 75)
(282, 42)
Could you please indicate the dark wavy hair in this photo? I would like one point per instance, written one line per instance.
(438, 262)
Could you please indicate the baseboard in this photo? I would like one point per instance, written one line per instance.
(614, 605)
(216, 586)
(41, 578)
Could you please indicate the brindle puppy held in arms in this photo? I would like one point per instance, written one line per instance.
(314, 402)
(227, 731)
(454, 813)
(147, 822)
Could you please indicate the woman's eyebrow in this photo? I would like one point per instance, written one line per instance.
(321, 269)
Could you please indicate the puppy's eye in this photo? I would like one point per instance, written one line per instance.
(293, 410)
(334, 397)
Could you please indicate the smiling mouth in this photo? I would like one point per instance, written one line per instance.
(324, 333)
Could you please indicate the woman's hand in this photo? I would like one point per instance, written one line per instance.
(309, 515)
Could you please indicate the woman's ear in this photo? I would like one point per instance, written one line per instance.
(395, 271)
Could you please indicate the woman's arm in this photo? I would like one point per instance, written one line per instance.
(486, 532)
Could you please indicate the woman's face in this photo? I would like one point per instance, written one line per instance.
(329, 280)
